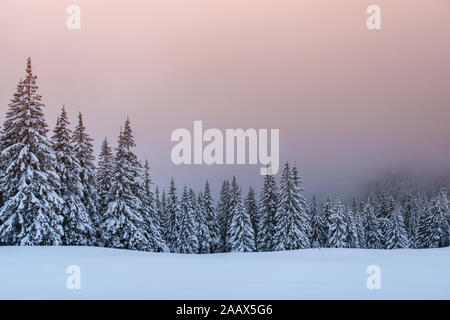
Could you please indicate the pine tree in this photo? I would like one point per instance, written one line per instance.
(291, 218)
(397, 237)
(412, 212)
(435, 225)
(241, 234)
(211, 219)
(359, 218)
(123, 224)
(328, 212)
(28, 182)
(104, 178)
(187, 241)
(252, 209)
(372, 231)
(84, 151)
(173, 213)
(267, 209)
(318, 227)
(234, 197)
(337, 227)
(77, 225)
(203, 234)
(352, 230)
(223, 212)
(156, 241)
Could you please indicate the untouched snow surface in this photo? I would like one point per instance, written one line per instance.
(40, 273)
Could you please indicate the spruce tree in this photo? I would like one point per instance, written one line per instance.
(156, 241)
(337, 227)
(29, 184)
(352, 230)
(435, 225)
(223, 212)
(104, 178)
(372, 230)
(123, 224)
(211, 219)
(203, 234)
(291, 231)
(318, 227)
(77, 225)
(187, 241)
(252, 209)
(173, 213)
(267, 210)
(396, 236)
(241, 234)
(84, 151)
(328, 212)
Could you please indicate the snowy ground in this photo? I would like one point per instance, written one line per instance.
(40, 273)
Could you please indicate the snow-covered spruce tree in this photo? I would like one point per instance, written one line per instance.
(30, 214)
(372, 231)
(412, 215)
(173, 212)
(223, 212)
(104, 179)
(384, 216)
(360, 222)
(328, 211)
(156, 241)
(164, 217)
(203, 234)
(291, 217)
(337, 227)
(396, 236)
(123, 225)
(187, 241)
(318, 227)
(77, 224)
(434, 229)
(234, 197)
(84, 151)
(241, 234)
(302, 219)
(252, 209)
(211, 219)
(352, 230)
(267, 209)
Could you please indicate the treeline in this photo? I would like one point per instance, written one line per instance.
(53, 193)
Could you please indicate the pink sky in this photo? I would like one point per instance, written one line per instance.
(347, 100)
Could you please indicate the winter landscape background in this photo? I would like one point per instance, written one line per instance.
(364, 129)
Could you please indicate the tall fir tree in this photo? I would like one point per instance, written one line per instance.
(84, 151)
(252, 209)
(241, 233)
(352, 230)
(187, 240)
(434, 228)
(223, 212)
(291, 218)
(77, 224)
(104, 179)
(318, 226)
(173, 213)
(396, 235)
(211, 219)
(29, 184)
(156, 241)
(268, 204)
(328, 212)
(372, 230)
(205, 244)
(337, 227)
(123, 224)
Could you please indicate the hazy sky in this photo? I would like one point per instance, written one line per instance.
(348, 101)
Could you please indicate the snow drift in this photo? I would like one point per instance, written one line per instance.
(40, 273)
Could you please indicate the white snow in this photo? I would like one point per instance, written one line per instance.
(40, 273)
